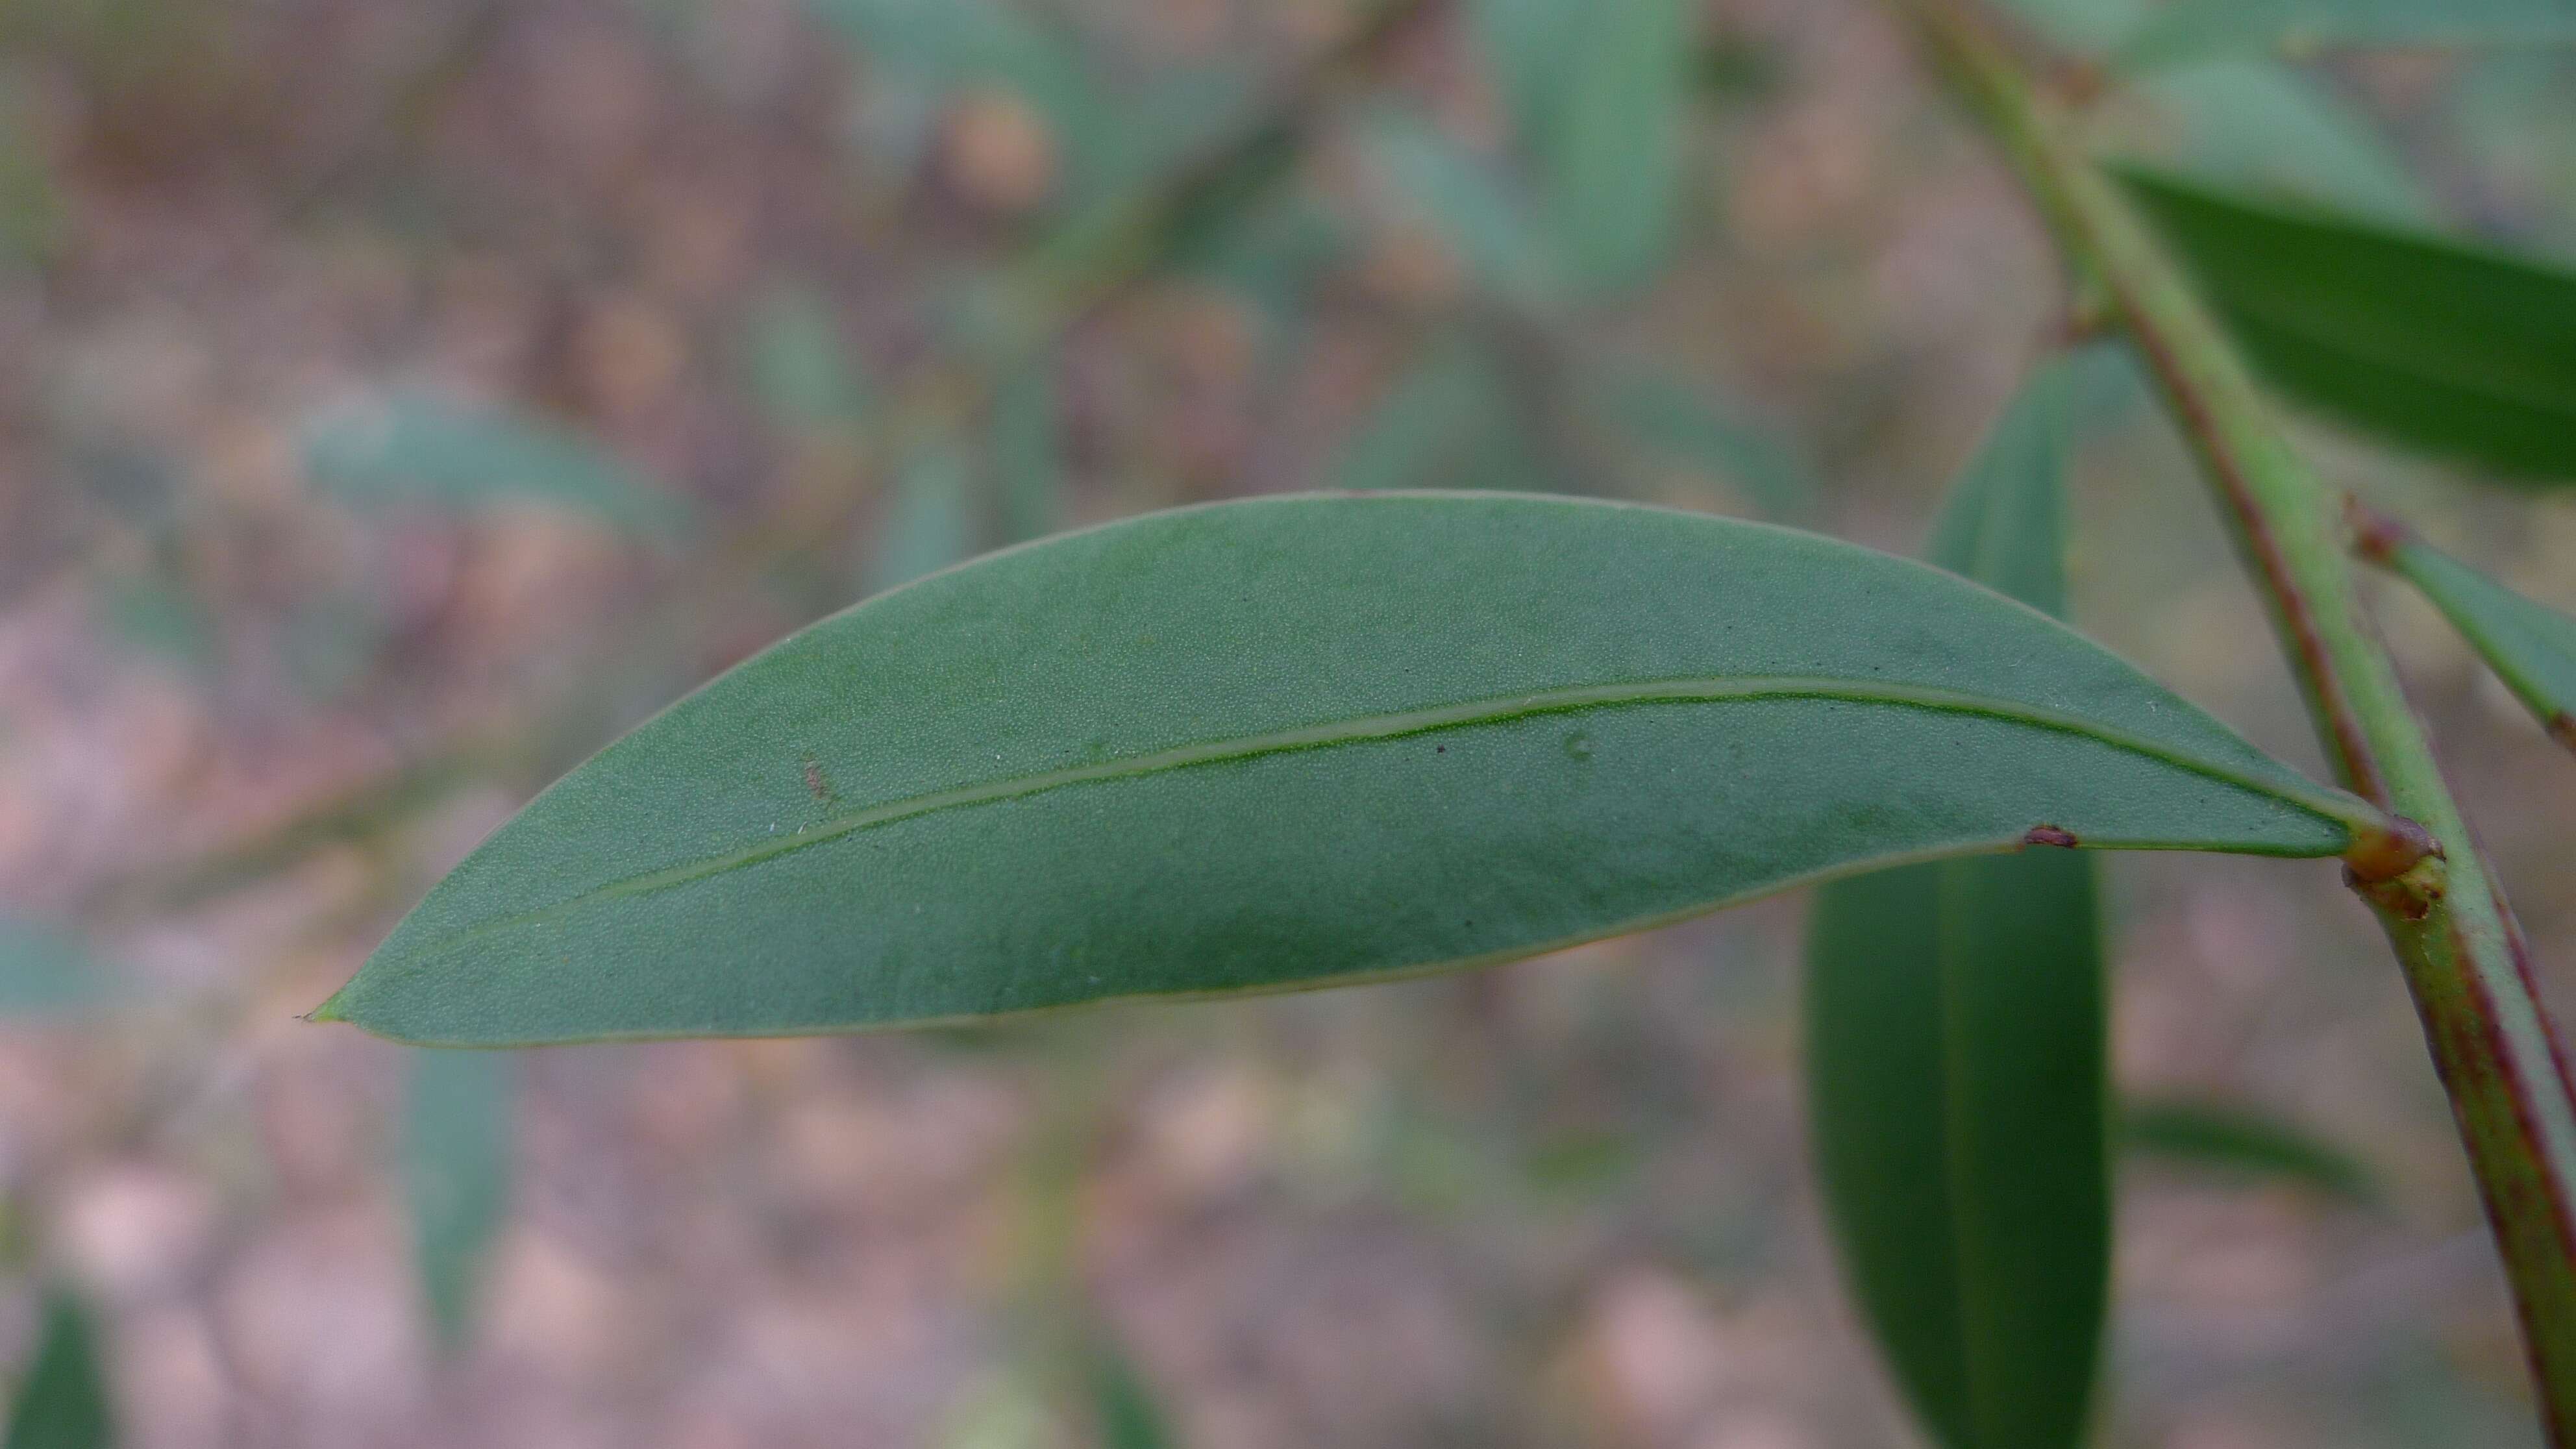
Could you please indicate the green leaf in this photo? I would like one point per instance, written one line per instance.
(417, 448)
(1292, 742)
(1129, 1413)
(1612, 150)
(2436, 344)
(2531, 646)
(456, 1173)
(1446, 421)
(1700, 429)
(930, 524)
(2004, 524)
(1469, 204)
(1526, 43)
(2260, 127)
(2239, 1142)
(1026, 453)
(1955, 1048)
(2187, 28)
(62, 1401)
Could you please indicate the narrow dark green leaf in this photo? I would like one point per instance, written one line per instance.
(2187, 28)
(2004, 522)
(1955, 1048)
(62, 1400)
(457, 1130)
(2531, 646)
(1130, 1414)
(2240, 1142)
(1697, 427)
(1612, 149)
(1955, 1060)
(2436, 344)
(418, 448)
(1299, 741)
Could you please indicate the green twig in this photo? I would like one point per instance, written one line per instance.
(2464, 958)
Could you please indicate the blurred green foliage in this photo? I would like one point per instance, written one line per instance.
(420, 449)
(62, 1399)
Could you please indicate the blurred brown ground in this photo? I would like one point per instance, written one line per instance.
(1560, 1203)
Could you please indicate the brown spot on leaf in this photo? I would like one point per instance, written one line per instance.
(816, 785)
(2049, 835)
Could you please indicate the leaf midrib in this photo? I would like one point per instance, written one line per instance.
(1364, 729)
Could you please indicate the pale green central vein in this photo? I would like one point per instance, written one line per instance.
(2335, 806)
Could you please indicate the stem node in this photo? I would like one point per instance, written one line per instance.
(2380, 854)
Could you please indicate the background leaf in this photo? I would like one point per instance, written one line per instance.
(1027, 456)
(414, 447)
(457, 1133)
(1468, 201)
(62, 1400)
(1693, 425)
(1612, 147)
(2239, 1142)
(1956, 1047)
(1297, 741)
(930, 523)
(798, 364)
(2187, 28)
(1447, 421)
(1526, 43)
(2531, 647)
(1130, 1415)
(2084, 27)
(2436, 344)
(2275, 131)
